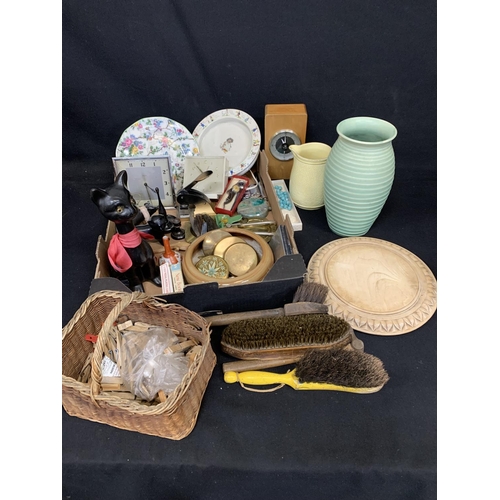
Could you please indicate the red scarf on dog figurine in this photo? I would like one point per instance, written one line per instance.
(117, 255)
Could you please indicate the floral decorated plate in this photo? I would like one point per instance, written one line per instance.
(231, 133)
(159, 136)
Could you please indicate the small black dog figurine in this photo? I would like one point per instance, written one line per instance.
(128, 251)
(159, 223)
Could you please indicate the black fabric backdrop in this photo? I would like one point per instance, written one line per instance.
(127, 60)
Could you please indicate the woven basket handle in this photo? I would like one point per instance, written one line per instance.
(100, 345)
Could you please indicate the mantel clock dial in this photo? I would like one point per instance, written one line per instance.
(144, 175)
(280, 143)
(284, 125)
(212, 186)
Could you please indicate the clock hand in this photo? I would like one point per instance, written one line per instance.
(200, 178)
(147, 187)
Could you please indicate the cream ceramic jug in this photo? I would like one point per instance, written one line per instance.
(307, 174)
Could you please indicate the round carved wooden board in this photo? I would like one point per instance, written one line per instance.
(376, 286)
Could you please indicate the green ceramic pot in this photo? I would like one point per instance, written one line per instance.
(359, 173)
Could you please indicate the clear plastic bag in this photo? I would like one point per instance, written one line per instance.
(146, 368)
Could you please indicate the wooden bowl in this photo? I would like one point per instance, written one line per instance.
(195, 251)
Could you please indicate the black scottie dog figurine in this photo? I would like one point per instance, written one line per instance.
(159, 223)
(128, 251)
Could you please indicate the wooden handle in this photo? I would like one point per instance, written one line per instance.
(299, 308)
(227, 319)
(258, 364)
(293, 309)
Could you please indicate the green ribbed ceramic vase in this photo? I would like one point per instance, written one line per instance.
(359, 173)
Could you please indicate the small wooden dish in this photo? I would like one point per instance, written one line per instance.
(195, 251)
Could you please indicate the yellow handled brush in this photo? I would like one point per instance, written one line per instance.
(326, 370)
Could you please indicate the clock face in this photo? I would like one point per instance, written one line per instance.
(280, 143)
(144, 175)
(213, 186)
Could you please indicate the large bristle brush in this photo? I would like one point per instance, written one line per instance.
(332, 370)
(269, 337)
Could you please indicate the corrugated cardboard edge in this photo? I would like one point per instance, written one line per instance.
(273, 200)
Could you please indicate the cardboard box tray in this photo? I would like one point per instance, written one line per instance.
(276, 289)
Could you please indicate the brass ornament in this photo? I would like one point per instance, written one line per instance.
(213, 266)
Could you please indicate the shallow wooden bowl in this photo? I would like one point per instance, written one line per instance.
(195, 251)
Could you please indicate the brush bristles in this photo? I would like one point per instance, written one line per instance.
(311, 292)
(286, 331)
(341, 367)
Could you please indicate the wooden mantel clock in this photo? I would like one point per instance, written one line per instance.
(284, 125)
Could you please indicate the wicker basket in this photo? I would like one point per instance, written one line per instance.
(174, 418)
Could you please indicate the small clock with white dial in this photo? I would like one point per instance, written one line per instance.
(144, 175)
(213, 186)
